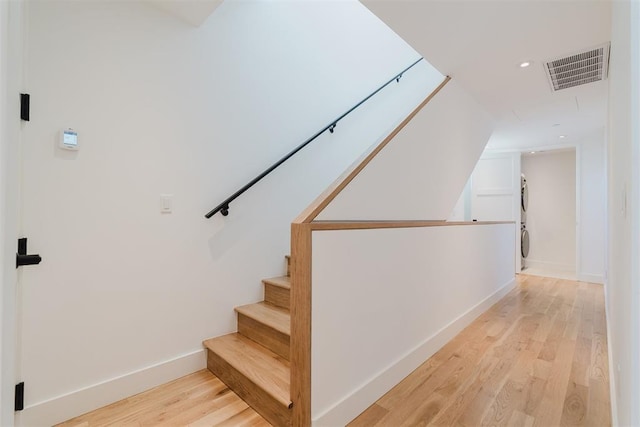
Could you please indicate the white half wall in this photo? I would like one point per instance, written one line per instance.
(162, 107)
(372, 326)
(421, 172)
(551, 217)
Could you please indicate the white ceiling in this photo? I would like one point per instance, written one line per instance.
(480, 43)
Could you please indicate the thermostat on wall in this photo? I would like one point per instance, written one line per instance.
(69, 139)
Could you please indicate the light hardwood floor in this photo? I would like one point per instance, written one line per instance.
(199, 399)
(536, 358)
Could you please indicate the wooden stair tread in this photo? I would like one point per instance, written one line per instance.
(281, 282)
(270, 315)
(261, 366)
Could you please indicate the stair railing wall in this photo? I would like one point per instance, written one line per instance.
(447, 132)
(301, 230)
(387, 295)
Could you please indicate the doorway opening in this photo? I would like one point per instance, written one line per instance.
(548, 217)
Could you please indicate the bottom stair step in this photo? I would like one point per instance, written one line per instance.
(256, 374)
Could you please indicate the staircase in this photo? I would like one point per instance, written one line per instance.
(254, 362)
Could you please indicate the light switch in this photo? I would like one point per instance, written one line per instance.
(166, 203)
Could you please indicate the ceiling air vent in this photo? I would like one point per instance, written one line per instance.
(578, 69)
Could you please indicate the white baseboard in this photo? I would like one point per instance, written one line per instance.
(553, 266)
(64, 407)
(591, 278)
(355, 403)
(612, 372)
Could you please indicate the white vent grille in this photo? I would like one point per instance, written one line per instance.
(578, 69)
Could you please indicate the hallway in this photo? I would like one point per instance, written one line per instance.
(537, 357)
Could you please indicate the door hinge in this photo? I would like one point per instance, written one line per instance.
(19, 404)
(25, 99)
(22, 258)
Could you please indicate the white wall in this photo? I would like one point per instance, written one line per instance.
(11, 57)
(494, 192)
(428, 284)
(459, 210)
(635, 202)
(125, 295)
(592, 176)
(4, 144)
(495, 188)
(422, 171)
(492, 187)
(551, 217)
(623, 257)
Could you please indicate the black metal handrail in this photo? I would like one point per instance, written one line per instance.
(223, 207)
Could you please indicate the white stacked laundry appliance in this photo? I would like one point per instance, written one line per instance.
(524, 238)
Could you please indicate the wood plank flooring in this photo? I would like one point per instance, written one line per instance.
(199, 399)
(536, 358)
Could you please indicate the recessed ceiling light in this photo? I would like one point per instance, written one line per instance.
(563, 136)
(525, 64)
(532, 152)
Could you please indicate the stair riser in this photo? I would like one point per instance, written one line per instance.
(276, 295)
(268, 337)
(273, 411)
